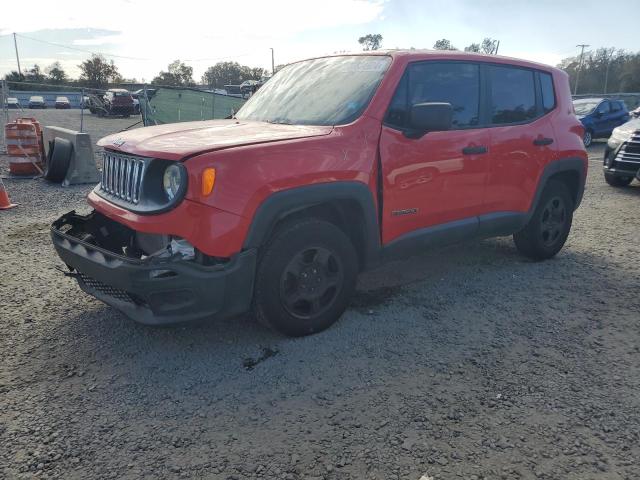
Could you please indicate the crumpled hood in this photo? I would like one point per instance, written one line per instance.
(179, 140)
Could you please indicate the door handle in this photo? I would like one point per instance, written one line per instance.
(474, 150)
(543, 141)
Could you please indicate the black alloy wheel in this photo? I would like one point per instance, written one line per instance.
(310, 283)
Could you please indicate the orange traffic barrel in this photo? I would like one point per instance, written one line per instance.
(24, 146)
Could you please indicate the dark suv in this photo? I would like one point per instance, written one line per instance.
(118, 101)
(622, 154)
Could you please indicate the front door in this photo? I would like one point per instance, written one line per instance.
(440, 177)
(602, 119)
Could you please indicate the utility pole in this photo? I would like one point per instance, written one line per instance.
(273, 63)
(583, 46)
(606, 75)
(15, 44)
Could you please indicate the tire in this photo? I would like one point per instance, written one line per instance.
(587, 138)
(306, 276)
(549, 226)
(59, 159)
(615, 181)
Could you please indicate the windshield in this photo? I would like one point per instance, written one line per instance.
(584, 108)
(324, 91)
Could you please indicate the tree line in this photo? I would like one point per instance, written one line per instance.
(488, 45)
(97, 72)
(604, 70)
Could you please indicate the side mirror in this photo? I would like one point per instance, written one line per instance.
(599, 114)
(430, 117)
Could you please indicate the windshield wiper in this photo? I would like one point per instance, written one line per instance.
(279, 121)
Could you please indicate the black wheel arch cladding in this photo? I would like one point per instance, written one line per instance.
(287, 202)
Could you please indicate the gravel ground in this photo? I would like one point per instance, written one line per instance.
(469, 362)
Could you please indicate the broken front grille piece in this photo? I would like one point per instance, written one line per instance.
(105, 289)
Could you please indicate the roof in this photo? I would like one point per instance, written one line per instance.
(588, 100)
(424, 54)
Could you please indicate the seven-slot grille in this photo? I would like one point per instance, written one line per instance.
(122, 176)
(630, 151)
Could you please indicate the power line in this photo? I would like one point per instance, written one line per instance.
(79, 49)
(127, 57)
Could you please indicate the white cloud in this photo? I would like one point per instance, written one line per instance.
(275, 17)
(203, 32)
(104, 40)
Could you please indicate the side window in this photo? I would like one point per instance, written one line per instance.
(454, 83)
(548, 94)
(604, 107)
(513, 96)
(616, 107)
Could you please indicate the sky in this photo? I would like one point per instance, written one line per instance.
(144, 36)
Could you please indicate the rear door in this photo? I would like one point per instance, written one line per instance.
(440, 177)
(619, 114)
(522, 139)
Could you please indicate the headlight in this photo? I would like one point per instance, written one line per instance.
(619, 136)
(171, 181)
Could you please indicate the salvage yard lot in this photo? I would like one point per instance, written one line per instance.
(467, 362)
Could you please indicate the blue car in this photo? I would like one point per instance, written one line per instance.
(600, 116)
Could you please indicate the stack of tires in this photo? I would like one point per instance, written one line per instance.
(24, 146)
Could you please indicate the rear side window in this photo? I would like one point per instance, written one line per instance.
(548, 94)
(454, 83)
(513, 97)
(616, 106)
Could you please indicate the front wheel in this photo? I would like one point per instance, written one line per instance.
(587, 138)
(306, 276)
(616, 181)
(549, 226)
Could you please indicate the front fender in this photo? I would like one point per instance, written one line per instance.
(285, 202)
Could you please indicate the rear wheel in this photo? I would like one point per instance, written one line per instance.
(616, 181)
(587, 138)
(305, 278)
(549, 227)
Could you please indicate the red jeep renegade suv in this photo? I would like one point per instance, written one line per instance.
(334, 165)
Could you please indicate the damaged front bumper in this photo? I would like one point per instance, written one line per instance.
(150, 289)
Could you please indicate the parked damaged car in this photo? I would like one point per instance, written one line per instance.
(335, 165)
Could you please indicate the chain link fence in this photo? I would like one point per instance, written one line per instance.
(89, 110)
